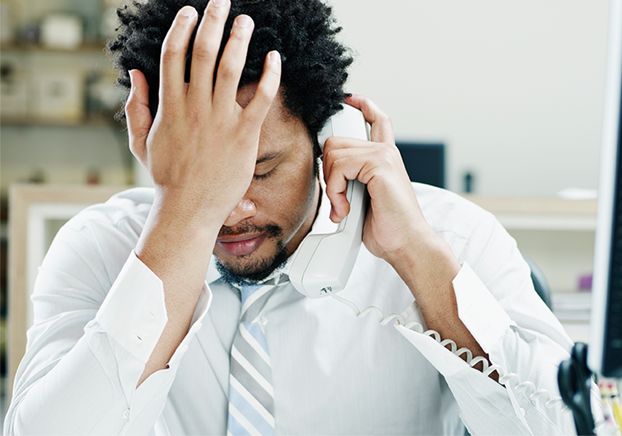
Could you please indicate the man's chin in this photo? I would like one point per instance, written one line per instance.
(251, 271)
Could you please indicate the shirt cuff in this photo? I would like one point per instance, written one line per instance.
(445, 362)
(478, 310)
(134, 312)
(482, 315)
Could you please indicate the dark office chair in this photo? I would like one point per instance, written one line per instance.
(539, 282)
(542, 288)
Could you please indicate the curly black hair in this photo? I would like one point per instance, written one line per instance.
(314, 63)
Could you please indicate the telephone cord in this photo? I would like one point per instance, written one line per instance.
(504, 377)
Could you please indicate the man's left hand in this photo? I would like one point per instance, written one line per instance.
(394, 225)
(395, 228)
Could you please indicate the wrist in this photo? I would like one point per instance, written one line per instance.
(187, 211)
(178, 236)
(426, 264)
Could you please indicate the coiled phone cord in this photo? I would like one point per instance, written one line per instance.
(504, 377)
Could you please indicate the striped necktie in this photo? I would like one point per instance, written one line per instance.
(251, 398)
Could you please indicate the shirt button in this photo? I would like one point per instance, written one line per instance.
(263, 321)
(126, 414)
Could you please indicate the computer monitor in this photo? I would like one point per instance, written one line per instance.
(605, 347)
(424, 161)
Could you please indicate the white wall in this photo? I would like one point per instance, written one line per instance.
(514, 88)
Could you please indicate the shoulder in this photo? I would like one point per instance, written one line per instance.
(108, 231)
(93, 246)
(128, 209)
(446, 211)
(476, 236)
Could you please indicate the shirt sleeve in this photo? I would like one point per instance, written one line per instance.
(528, 402)
(497, 303)
(90, 342)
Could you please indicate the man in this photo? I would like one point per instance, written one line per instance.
(131, 338)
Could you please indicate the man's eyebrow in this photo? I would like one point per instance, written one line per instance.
(269, 157)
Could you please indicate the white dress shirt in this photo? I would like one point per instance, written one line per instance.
(99, 312)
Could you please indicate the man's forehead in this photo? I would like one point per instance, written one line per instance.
(247, 92)
(280, 130)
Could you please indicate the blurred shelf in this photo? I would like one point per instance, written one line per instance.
(534, 222)
(540, 213)
(90, 121)
(572, 306)
(90, 47)
(557, 234)
(534, 205)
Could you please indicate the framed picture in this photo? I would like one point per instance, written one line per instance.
(36, 213)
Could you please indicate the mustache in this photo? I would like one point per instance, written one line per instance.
(271, 230)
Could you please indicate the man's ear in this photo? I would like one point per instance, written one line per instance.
(317, 151)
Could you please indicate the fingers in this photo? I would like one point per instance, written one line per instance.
(173, 58)
(266, 91)
(206, 47)
(363, 160)
(379, 165)
(339, 205)
(381, 126)
(343, 165)
(342, 151)
(232, 63)
(138, 116)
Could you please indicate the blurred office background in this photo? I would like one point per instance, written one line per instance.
(512, 90)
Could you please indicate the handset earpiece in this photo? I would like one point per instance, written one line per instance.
(324, 262)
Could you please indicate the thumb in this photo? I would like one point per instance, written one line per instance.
(138, 115)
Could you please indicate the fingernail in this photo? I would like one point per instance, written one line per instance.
(244, 21)
(219, 3)
(187, 11)
(274, 56)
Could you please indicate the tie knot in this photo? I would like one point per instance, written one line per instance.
(255, 297)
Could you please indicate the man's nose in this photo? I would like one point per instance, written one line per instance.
(245, 209)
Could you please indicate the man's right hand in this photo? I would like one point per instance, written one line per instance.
(201, 147)
(200, 150)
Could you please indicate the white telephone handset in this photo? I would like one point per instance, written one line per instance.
(324, 262)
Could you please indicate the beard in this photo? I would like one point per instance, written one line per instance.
(253, 273)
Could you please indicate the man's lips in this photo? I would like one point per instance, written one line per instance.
(241, 245)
